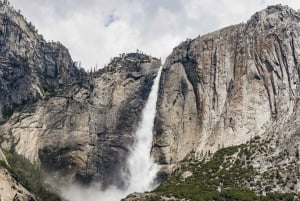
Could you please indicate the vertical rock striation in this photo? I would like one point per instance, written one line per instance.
(30, 67)
(85, 133)
(225, 87)
(217, 90)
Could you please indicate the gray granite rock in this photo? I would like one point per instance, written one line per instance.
(86, 132)
(30, 68)
(75, 124)
(225, 87)
(11, 190)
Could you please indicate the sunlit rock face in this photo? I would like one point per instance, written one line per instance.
(225, 87)
(215, 91)
(11, 189)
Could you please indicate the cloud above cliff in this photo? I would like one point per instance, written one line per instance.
(96, 30)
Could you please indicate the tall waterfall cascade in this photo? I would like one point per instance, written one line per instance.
(141, 169)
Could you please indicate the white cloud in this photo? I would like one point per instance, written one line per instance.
(96, 30)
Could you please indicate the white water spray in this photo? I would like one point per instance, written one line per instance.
(141, 168)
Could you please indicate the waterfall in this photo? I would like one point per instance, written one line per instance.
(141, 168)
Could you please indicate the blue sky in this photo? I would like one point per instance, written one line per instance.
(96, 30)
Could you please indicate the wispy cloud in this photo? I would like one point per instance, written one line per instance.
(111, 19)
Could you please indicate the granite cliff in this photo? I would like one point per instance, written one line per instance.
(71, 123)
(233, 92)
(226, 87)
(31, 68)
(85, 133)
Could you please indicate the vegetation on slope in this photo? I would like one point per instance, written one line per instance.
(226, 176)
(30, 176)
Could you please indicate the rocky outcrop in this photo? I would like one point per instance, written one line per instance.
(225, 87)
(11, 190)
(86, 132)
(144, 197)
(276, 157)
(3, 158)
(30, 67)
(66, 120)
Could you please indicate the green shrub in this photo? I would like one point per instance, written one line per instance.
(217, 180)
(49, 90)
(7, 111)
(30, 176)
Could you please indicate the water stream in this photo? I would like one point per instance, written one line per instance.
(140, 165)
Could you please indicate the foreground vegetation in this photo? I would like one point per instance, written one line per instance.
(30, 176)
(226, 176)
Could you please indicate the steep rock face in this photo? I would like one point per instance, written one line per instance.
(85, 133)
(225, 87)
(277, 156)
(70, 122)
(30, 67)
(11, 189)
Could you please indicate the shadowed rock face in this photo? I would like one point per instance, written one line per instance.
(222, 88)
(72, 123)
(30, 67)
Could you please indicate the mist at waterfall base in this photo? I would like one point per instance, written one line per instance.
(141, 168)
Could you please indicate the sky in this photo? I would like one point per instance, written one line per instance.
(95, 31)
